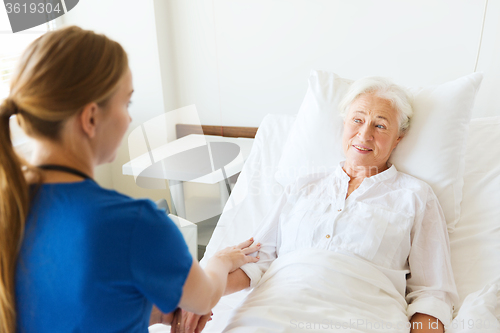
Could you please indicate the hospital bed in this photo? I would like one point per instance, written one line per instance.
(474, 241)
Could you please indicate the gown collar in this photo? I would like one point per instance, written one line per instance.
(381, 176)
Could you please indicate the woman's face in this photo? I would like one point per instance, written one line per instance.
(116, 120)
(371, 132)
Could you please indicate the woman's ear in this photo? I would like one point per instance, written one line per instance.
(88, 119)
(398, 139)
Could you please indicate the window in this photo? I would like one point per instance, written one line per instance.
(13, 46)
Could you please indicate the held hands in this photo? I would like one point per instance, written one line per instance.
(180, 321)
(158, 317)
(238, 255)
(188, 322)
(227, 260)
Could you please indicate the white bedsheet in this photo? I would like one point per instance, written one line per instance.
(317, 290)
(475, 246)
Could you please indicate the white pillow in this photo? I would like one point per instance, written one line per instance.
(477, 314)
(256, 190)
(475, 245)
(433, 150)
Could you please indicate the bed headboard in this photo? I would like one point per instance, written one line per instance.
(227, 131)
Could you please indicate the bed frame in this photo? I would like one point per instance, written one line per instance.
(226, 131)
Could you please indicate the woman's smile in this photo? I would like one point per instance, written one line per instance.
(362, 149)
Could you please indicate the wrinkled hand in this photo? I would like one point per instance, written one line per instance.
(238, 255)
(188, 322)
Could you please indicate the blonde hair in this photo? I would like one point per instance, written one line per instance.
(58, 74)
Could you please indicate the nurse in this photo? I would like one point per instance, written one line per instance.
(75, 257)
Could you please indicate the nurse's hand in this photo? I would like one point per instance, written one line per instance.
(204, 287)
(176, 326)
(189, 322)
(238, 255)
(158, 317)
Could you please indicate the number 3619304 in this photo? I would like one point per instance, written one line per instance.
(32, 8)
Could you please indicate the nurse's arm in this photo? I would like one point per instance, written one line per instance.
(236, 281)
(203, 288)
(158, 317)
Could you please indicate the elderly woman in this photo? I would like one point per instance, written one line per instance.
(366, 210)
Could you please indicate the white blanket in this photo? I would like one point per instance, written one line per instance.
(320, 291)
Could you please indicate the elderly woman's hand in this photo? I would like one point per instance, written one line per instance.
(422, 323)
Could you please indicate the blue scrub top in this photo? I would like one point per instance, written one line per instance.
(94, 260)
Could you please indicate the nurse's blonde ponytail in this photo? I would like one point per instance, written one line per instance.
(58, 74)
(14, 203)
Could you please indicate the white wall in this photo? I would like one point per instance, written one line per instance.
(239, 60)
(488, 97)
(132, 24)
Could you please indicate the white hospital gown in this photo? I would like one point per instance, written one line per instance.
(392, 220)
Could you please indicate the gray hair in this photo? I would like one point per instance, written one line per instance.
(384, 88)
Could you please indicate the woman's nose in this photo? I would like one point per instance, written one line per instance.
(365, 132)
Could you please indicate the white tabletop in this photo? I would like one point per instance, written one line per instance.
(139, 164)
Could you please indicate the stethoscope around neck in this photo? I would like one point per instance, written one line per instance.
(66, 169)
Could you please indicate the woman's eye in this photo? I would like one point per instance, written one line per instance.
(357, 120)
(381, 126)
